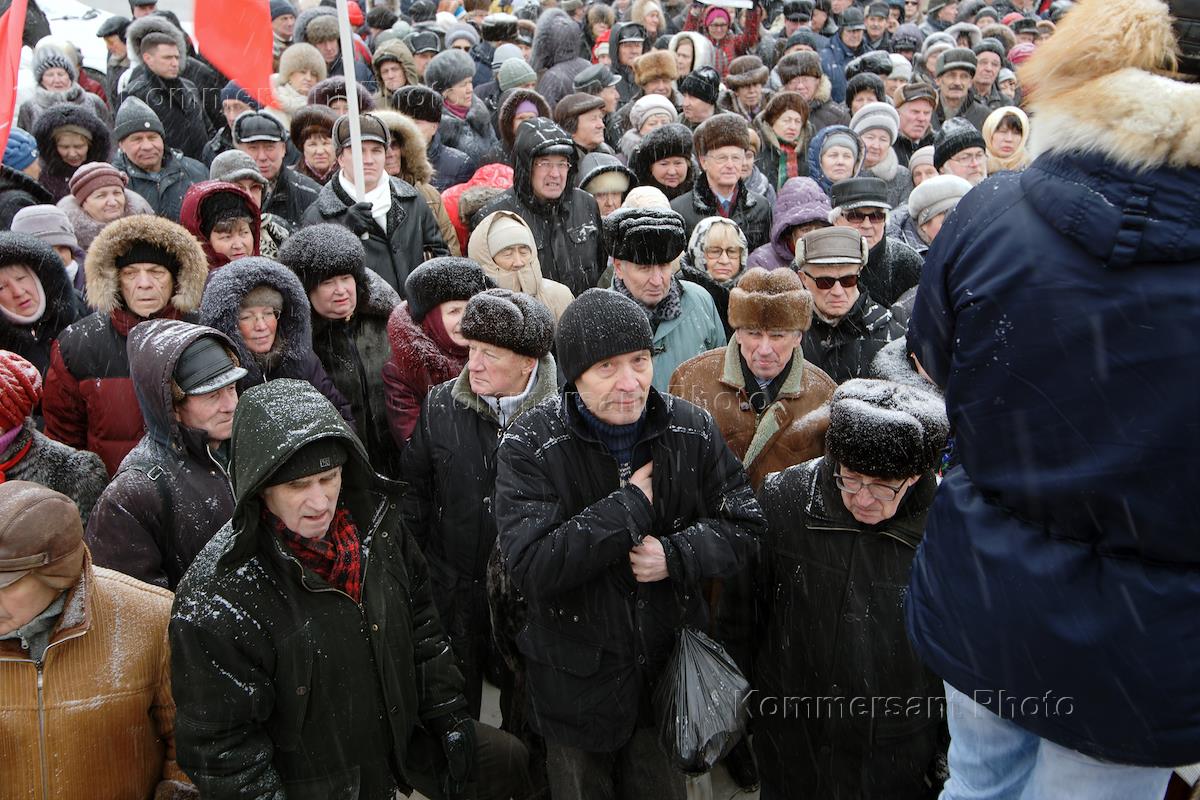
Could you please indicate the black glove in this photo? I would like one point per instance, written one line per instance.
(359, 219)
(456, 734)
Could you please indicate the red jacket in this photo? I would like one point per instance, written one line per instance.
(422, 357)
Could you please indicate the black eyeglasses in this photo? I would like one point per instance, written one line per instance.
(826, 283)
(880, 491)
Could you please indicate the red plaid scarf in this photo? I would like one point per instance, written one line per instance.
(336, 556)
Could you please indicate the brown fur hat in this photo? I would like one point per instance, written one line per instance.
(1003, 33)
(772, 300)
(102, 274)
(785, 101)
(654, 65)
(746, 70)
(721, 130)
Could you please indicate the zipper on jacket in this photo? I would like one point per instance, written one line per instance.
(41, 701)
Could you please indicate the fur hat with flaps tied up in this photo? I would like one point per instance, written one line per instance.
(441, 280)
(512, 320)
(655, 65)
(645, 235)
(746, 71)
(721, 130)
(770, 300)
(886, 430)
(147, 239)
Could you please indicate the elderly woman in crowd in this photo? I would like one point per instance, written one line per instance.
(100, 194)
(877, 126)
(1006, 130)
(69, 136)
(37, 300)
(503, 245)
(649, 112)
(312, 134)
(56, 80)
(836, 153)
(785, 132)
(715, 258)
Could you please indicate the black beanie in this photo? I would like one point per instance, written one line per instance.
(319, 456)
(886, 430)
(599, 324)
(440, 280)
(645, 235)
(956, 135)
(703, 83)
(512, 320)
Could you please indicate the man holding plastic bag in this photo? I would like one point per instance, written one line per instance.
(612, 505)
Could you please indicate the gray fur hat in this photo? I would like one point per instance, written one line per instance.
(511, 320)
(448, 68)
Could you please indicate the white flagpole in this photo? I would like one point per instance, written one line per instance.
(347, 41)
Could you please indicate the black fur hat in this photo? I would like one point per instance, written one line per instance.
(319, 252)
(645, 235)
(511, 320)
(886, 430)
(440, 280)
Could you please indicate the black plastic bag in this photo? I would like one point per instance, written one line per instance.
(700, 703)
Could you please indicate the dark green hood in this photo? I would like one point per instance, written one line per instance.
(273, 420)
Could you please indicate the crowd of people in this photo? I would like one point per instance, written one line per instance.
(856, 335)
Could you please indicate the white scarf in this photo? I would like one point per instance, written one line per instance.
(380, 198)
(72, 270)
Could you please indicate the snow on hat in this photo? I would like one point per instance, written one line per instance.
(134, 116)
(599, 324)
(876, 115)
(703, 83)
(901, 68)
(20, 389)
(648, 106)
(921, 157)
(232, 166)
(746, 71)
(957, 58)
(48, 58)
(772, 300)
(317, 456)
(419, 102)
(94, 176)
(645, 235)
(322, 28)
(955, 135)
(721, 130)
(441, 280)
(515, 72)
(936, 195)
(20, 150)
(47, 223)
(448, 68)
(512, 320)
(886, 430)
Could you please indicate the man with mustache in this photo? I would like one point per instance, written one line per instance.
(955, 76)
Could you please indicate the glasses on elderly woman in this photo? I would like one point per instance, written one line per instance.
(715, 253)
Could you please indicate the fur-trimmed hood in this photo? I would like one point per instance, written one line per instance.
(508, 110)
(222, 303)
(100, 269)
(141, 27)
(1099, 85)
(414, 163)
(62, 304)
(556, 40)
(62, 114)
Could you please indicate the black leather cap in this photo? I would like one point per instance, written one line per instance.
(860, 193)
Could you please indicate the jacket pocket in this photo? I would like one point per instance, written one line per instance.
(551, 648)
(293, 687)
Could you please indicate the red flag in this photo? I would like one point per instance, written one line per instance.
(12, 29)
(236, 36)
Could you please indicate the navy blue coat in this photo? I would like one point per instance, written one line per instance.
(834, 59)
(1058, 308)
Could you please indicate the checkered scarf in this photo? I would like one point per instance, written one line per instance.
(336, 556)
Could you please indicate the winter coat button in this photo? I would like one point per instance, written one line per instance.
(374, 626)
(385, 534)
(641, 659)
(575, 619)
(641, 604)
(301, 690)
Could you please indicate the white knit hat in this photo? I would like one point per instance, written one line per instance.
(877, 115)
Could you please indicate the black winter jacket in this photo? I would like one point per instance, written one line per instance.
(283, 685)
(751, 211)
(568, 230)
(596, 640)
(845, 350)
(291, 195)
(831, 593)
(63, 303)
(892, 269)
(179, 107)
(450, 166)
(17, 191)
(170, 494)
(412, 234)
(164, 190)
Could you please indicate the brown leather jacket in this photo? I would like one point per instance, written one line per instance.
(96, 718)
(790, 431)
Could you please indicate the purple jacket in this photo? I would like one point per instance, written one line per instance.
(800, 201)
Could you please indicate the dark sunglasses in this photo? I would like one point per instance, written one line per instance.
(858, 215)
(826, 283)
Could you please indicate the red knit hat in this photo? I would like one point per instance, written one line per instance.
(355, 14)
(20, 389)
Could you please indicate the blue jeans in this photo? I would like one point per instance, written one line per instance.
(992, 758)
